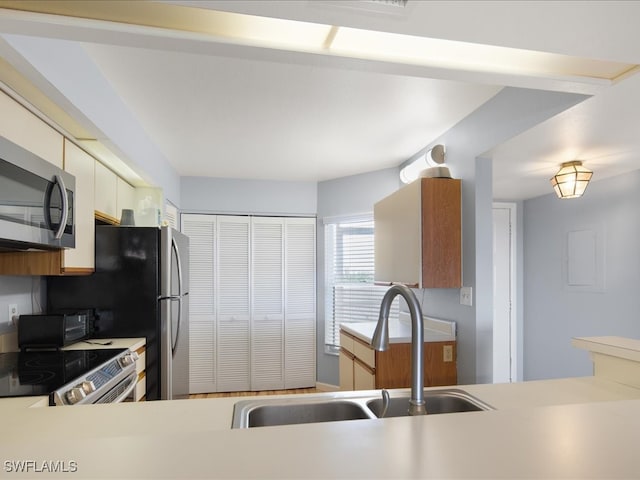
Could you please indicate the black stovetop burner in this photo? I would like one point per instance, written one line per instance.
(41, 372)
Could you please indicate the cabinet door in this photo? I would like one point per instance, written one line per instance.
(106, 186)
(363, 378)
(233, 287)
(267, 312)
(346, 371)
(124, 196)
(398, 236)
(27, 130)
(300, 302)
(201, 230)
(81, 165)
(418, 234)
(441, 233)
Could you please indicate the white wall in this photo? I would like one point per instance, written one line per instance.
(232, 196)
(553, 313)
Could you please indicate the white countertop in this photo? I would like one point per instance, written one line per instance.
(400, 332)
(132, 344)
(620, 347)
(546, 429)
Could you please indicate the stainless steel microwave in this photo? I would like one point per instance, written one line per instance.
(37, 201)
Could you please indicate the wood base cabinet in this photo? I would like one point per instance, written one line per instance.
(363, 368)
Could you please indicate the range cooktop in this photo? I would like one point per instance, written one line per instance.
(42, 372)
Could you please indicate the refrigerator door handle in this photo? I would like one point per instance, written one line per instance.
(174, 247)
(171, 297)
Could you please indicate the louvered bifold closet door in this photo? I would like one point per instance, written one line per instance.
(267, 310)
(233, 287)
(300, 302)
(201, 230)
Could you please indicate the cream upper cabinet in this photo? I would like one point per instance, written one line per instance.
(106, 193)
(80, 164)
(125, 197)
(27, 130)
(112, 194)
(418, 235)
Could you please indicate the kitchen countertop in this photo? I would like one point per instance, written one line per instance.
(400, 331)
(572, 427)
(620, 347)
(132, 344)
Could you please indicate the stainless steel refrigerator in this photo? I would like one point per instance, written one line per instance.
(139, 289)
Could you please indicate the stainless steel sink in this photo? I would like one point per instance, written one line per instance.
(264, 413)
(437, 401)
(345, 406)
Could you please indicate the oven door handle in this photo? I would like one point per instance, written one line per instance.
(134, 380)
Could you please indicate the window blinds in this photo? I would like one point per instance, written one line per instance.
(350, 295)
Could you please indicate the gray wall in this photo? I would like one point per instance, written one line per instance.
(507, 114)
(344, 196)
(224, 195)
(553, 313)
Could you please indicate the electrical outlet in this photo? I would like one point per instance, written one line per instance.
(13, 313)
(447, 353)
(466, 296)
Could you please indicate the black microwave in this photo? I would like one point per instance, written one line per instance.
(55, 330)
(37, 201)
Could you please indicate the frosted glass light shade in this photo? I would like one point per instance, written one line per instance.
(571, 180)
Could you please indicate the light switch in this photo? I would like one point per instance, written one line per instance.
(466, 296)
(447, 353)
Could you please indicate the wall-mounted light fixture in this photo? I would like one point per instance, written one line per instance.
(571, 180)
(430, 164)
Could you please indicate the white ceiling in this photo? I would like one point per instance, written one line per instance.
(244, 112)
(238, 118)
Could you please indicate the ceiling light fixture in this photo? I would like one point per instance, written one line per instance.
(430, 164)
(571, 180)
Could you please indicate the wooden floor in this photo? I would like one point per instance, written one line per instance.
(251, 394)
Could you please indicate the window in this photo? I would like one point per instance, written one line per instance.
(350, 294)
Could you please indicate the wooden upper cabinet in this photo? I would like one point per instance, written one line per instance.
(418, 235)
(27, 130)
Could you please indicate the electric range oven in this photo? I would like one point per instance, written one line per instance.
(69, 377)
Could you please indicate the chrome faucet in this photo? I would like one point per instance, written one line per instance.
(380, 342)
